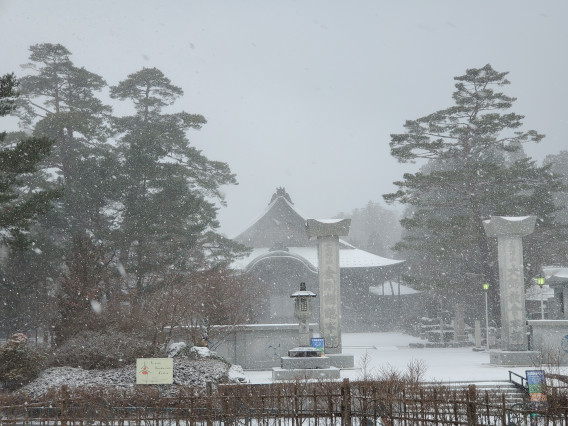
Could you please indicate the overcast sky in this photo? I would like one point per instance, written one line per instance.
(304, 94)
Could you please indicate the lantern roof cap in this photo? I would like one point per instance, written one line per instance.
(303, 293)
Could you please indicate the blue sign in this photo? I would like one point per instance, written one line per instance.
(319, 343)
(536, 381)
(564, 343)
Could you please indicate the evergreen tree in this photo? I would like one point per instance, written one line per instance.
(82, 285)
(22, 201)
(559, 245)
(59, 101)
(168, 187)
(373, 228)
(475, 168)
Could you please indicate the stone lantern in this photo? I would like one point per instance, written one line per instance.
(303, 312)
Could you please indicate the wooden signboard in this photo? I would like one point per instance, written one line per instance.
(154, 371)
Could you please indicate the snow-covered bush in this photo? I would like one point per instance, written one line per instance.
(181, 350)
(174, 348)
(19, 364)
(98, 350)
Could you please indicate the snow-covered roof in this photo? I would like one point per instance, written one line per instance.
(280, 232)
(534, 292)
(393, 288)
(280, 223)
(267, 210)
(558, 272)
(349, 257)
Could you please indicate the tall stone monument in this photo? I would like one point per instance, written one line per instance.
(509, 232)
(327, 233)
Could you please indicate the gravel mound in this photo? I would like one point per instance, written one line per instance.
(192, 374)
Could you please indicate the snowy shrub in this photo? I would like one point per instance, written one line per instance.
(98, 350)
(19, 364)
(174, 348)
(236, 374)
(197, 353)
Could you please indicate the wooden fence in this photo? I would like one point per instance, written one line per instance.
(365, 403)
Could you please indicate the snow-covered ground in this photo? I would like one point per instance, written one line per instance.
(373, 353)
(380, 351)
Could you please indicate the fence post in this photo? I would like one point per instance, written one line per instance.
(345, 403)
(64, 404)
(471, 398)
(209, 391)
(503, 409)
(27, 415)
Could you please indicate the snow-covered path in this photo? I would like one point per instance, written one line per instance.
(379, 351)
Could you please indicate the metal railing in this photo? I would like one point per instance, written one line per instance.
(521, 384)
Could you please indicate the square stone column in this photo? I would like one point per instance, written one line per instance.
(327, 233)
(509, 232)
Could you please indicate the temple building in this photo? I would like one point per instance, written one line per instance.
(282, 257)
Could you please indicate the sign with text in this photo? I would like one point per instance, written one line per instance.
(536, 381)
(319, 344)
(154, 371)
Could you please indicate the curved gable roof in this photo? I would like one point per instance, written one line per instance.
(282, 228)
(279, 225)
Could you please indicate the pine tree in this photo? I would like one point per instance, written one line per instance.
(22, 201)
(58, 100)
(168, 187)
(19, 203)
(475, 168)
(373, 228)
(558, 246)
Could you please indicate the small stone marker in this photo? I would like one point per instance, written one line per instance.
(477, 334)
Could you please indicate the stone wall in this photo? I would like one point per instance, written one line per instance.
(257, 346)
(550, 338)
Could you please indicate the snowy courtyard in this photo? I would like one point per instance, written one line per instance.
(380, 351)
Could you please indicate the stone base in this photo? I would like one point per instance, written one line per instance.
(341, 360)
(514, 358)
(293, 363)
(304, 374)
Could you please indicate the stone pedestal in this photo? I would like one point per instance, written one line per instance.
(509, 232)
(514, 358)
(305, 363)
(330, 373)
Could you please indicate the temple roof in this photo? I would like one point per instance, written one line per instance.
(280, 231)
(280, 225)
(556, 275)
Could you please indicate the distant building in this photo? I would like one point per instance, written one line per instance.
(282, 257)
(553, 295)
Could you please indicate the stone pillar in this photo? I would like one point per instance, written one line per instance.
(328, 233)
(477, 334)
(459, 324)
(509, 232)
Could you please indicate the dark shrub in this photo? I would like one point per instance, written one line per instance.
(19, 364)
(98, 350)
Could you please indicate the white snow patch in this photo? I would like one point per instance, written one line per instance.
(96, 306)
(174, 348)
(236, 374)
(515, 218)
(202, 351)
